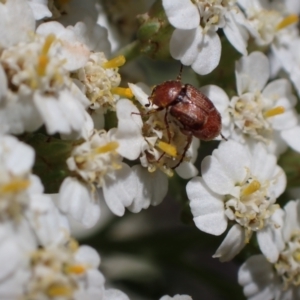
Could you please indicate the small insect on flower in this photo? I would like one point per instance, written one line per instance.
(195, 113)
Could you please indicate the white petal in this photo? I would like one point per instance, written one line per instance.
(206, 207)
(279, 181)
(52, 115)
(292, 212)
(234, 159)
(3, 83)
(40, 9)
(235, 33)
(74, 53)
(291, 137)
(113, 294)
(76, 199)
(217, 179)
(233, 243)
(280, 88)
(151, 188)
(94, 36)
(10, 254)
(176, 297)
(50, 226)
(184, 45)
(119, 190)
(141, 92)
(182, 14)
(263, 164)
(256, 276)
(286, 120)
(270, 238)
(186, 170)
(252, 72)
(88, 255)
(17, 22)
(217, 96)
(19, 157)
(129, 132)
(209, 54)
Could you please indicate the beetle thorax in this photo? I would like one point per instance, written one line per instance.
(164, 94)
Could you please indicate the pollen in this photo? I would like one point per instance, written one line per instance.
(251, 188)
(75, 269)
(42, 64)
(167, 148)
(59, 290)
(287, 21)
(115, 62)
(15, 186)
(111, 146)
(123, 92)
(278, 110)
(48, 42)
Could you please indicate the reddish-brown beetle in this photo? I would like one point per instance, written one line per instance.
(195, 113)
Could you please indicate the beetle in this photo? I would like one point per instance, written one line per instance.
(195, 112)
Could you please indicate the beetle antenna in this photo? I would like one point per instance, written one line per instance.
(180, 72)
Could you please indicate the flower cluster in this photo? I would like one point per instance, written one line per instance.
(72, 122)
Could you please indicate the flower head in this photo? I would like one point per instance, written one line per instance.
(195, 40)
(238, 184)
(278, 278)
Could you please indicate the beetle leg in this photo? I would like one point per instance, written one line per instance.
(223, 137)
(180, 72)
(167, 126)
(148, 112)
(188, 143)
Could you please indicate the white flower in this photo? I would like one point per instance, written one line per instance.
(96, 165)
(195, 41)
(277, 279)
(100, 80)
(239, 184)
(65, 271)
(41, 90)
(267, 20)
(16, 22)
(263, 112)
(148, 139)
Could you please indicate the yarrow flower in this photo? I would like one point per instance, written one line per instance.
(262, 112)
(96, 165)
(278, 278)
(101, 80)
(195, 40)
(158, 145)
(39, 89)
(239, 183)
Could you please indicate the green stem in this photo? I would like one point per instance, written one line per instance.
(130, 51)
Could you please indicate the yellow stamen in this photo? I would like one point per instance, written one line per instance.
(296, 255)
(48, 42)
(59, 290)
(168, 148)
(251, 188)
(115, 62)
(278, 110)
(42, 65)
(73, 245)
(111, 146)
(15, 186)
(287, 21)
(124, 92)
(75, 269)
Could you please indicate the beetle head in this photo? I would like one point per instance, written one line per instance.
(164, 94)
